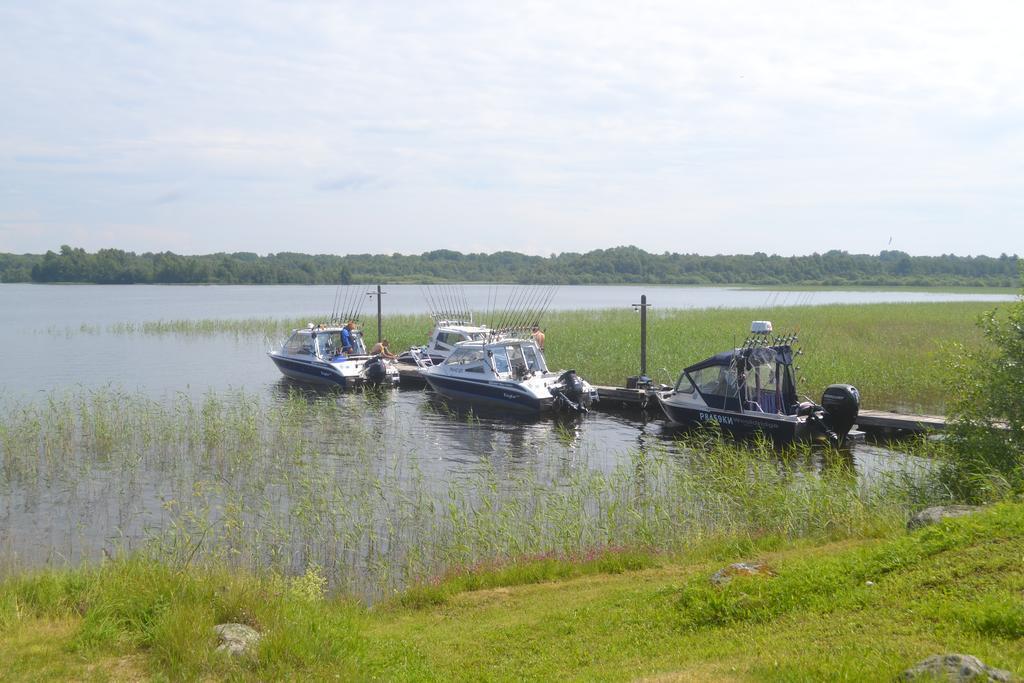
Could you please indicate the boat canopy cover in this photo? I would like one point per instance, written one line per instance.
(755, 356)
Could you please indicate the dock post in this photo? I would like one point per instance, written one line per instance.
(380, 334)
(642, 308)
(378, 294)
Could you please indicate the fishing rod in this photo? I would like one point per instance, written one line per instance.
(465, 302)
(536, 302)
(547, 302)
(536, 306)
(426, 298)
(438, 295)
(521, 294)
(458, 300)
(453, 303)
(449, 312)
(525, 295)
(500, 323)
(344, 305)
(489, 311)
(459, 304)
(432, 302)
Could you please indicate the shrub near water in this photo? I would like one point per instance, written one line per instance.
(987, 433)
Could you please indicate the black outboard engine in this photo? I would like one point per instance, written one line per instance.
(375, 371)
(571, 393)
(840, 404)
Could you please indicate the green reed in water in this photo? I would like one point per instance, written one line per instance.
(335, 481)
(898, 355)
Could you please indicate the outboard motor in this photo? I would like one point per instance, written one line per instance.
(840, 404)
(571, 392)
(374, 370)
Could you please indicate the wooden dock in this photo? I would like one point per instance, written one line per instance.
(887, 421)
(618, 398)
(613, 398)
(621, 398)
(410, 374)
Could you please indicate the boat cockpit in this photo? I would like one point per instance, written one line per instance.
(324, 344)
(758, 380)
(507, 359)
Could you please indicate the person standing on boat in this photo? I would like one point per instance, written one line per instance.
(346, 337)
(538, 336)
(381, 348)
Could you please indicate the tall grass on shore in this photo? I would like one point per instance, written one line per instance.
(898, 355)
(331, 481)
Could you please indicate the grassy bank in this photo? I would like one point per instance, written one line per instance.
(858, 609)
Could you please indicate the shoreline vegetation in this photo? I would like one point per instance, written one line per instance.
(898, 355)
(619, 265)
(859, 608)
(363, 571)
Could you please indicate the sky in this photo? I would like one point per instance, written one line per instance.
(539, 127)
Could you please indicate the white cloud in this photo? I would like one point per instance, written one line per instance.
(554, 126)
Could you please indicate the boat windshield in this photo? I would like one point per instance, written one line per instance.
(358, 345)
(684, 385)
(500, 357)
(516, 359)
(717, 380)
(465, 356)
(718, 386)
(299, 344)
(534, 358)
(328, 343)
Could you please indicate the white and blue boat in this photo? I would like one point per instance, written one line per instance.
(509, 375)
(315, 355)
(443, 338)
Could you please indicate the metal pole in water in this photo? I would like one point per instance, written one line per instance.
(378, 294)
(642, 308)
(643, 334)
(379, 334)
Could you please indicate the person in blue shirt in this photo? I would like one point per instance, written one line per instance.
(346, 337)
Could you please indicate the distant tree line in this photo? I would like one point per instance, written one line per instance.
(620, 265)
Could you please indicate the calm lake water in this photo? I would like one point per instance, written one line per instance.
(64, 510)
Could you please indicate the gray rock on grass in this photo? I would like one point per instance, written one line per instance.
(955, 667)
(934, 515)
(724, 576)
(236, 639)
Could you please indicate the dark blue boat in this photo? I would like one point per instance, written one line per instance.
(752, 390)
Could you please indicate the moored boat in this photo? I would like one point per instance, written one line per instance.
(319, 355)
(508, 374)
(752, 389)
(443, 338)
